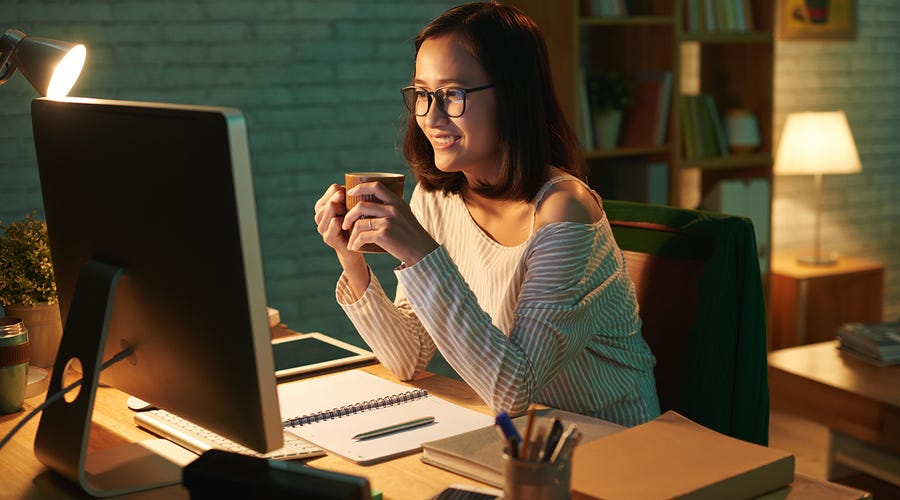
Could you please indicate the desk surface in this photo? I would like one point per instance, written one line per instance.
(825, 364)
(403, 478)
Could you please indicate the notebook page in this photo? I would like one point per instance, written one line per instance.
(303, 397)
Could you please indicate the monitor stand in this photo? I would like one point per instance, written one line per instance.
(62, 436)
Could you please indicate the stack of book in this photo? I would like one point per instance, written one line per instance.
(669, 457)
(878, 343)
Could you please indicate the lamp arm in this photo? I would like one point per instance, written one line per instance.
(7, 69)
(8, 43)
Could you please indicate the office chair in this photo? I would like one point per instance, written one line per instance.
(701, 303)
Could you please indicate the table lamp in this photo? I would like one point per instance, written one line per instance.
(817, 143)
(51, 66)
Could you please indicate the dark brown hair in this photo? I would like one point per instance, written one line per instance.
(533, 132)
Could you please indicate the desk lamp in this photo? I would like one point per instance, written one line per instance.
(51, 66)
(817, 143)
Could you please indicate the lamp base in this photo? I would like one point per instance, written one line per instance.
(823, 259)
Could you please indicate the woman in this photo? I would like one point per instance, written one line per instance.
(508, 265)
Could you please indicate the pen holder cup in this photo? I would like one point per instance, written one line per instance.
(536, 480)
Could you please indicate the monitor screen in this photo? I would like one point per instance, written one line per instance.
(165, 193)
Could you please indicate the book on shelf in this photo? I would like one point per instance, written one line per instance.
(478, 454)
(674, 457)
(330, 410)
(609, 8)
(646, 121)
(715, 120)
(877, 343)
(703, 134)
(585, 120)
(714, 16)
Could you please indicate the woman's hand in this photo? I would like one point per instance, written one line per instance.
(389, 224)
(330, 211)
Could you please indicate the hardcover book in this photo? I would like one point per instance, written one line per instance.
(478, 454)
(674, 457)
(647, 120)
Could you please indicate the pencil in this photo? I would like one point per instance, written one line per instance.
(527, 437)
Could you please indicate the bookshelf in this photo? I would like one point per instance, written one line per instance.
(732, 64)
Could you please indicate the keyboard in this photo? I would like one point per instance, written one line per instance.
(198, 439)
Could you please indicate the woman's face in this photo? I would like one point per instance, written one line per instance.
(468, 143)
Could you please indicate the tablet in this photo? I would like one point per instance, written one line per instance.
(314, 352)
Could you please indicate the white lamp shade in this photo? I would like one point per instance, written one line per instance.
(51, 66)
(817, 143)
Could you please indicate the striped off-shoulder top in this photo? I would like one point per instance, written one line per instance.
(553, 320)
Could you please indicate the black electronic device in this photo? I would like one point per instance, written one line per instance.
(220, 474)
(152, 224)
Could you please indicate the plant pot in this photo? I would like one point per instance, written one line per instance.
(606, 128)
(44, 330)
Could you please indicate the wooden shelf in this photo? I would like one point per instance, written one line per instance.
(754, 37)
(628, 152)
(728, 162)
(735, 68)
(625, 21)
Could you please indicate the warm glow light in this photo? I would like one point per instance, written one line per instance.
(66, 72)
(817, 142)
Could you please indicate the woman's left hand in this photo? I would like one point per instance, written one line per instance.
(389, 224)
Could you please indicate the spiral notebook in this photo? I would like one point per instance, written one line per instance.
(328, 411)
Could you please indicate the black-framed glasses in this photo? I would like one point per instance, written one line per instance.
(450, 100)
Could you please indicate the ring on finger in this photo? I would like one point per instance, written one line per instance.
(370, 224)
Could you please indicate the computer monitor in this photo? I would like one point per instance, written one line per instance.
(152, 224)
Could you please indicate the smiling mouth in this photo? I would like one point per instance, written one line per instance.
(446, 140)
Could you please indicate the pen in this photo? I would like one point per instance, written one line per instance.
(506, 426)
(512, 447)
(567, 444)
(536, 447)
(419, 422)
(528, 426)
(556, 430)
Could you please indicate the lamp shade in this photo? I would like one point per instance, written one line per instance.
(817, 143)
(51, 66)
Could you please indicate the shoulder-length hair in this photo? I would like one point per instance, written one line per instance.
(533, 133)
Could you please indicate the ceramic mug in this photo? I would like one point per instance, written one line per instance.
(394, 182)
(14, 357)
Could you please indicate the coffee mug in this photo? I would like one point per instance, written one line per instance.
(393, 181)
(13, 364)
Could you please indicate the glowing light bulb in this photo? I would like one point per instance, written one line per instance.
(66, 72)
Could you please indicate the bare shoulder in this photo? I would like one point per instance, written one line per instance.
(568, 201)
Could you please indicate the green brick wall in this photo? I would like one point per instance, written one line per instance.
(318, 82)
(860, 212)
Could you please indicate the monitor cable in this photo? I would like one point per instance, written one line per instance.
(124, 353)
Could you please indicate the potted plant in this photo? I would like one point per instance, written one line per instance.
(609, 93)
(28, 287)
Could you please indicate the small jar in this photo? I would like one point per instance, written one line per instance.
(14, 355)
(536, 480)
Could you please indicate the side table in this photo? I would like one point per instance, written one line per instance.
(808, 303)
(859, 402)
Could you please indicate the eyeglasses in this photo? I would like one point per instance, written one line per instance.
(450, 100)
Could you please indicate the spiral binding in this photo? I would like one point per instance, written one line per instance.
(343, 411)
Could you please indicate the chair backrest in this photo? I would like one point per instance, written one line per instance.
(700, 295)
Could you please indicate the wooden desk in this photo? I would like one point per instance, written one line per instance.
(858, 401)
(23, 476)
(808, 303)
